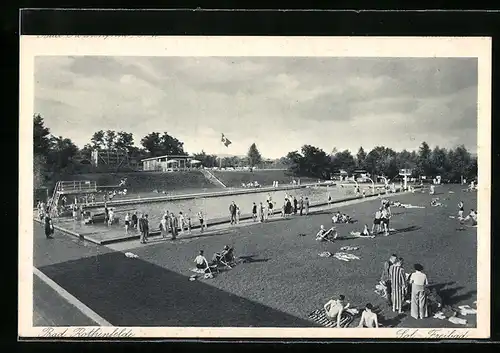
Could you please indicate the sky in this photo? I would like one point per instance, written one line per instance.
(280, 103)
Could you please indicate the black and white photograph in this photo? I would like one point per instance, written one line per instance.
(255, 187)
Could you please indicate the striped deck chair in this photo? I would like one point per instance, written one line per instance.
(319, 316)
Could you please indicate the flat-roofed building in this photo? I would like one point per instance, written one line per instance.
(168, 163)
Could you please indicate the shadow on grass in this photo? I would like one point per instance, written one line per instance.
(388, 322)
(407, 229)
(134, 292)
(251, 258)
(448, 295)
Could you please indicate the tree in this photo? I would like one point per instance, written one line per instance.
(343, 160)
(253, 155)
(110, 140)
(124, 141)
(97, 140)
(172, 146)
(439, 161)
(424, 161)
(41, 136)
(316, 162)
(360, 158)
(206, 160)
(152, 144)
(460, 161)
(162, 145)
(296, 161)
(63, 152)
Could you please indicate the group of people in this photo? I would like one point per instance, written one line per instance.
(225, 257)
(472, 216)
(382, 217)
(337, 311)
(341, 218)
(398, 284)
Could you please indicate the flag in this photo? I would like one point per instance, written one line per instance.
(225, 141)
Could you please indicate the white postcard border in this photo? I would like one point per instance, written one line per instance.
(32, 46)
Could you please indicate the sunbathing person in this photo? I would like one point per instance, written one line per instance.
(368, 317)
(201, 262)
(471, 217)
(326, 235)
(436, 203)
(220, 255)
(364, 234)
(334, 309)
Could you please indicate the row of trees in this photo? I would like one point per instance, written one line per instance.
(56, 155)
(450, 164)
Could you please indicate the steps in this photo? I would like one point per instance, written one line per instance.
(212, 178)
(69, 188)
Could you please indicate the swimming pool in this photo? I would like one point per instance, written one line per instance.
(218, 207)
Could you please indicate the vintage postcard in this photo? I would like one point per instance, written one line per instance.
(254, 187)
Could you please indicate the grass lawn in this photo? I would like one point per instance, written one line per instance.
(283, 279)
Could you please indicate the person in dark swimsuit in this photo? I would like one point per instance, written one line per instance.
(254, 212)
(49, 227)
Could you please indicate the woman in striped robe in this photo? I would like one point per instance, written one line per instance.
(398, 285)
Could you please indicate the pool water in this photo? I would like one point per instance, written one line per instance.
(218, 207)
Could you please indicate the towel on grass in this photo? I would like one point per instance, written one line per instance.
(457, 320)
(131, 255)
(349, 248)
(439, 315)
(467, 310)
(319, 316)
(343, 256)
(325, 254)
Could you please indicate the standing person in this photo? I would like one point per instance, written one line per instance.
(111, 216)
(164, 226)
(385, 278)
(200, 219)
(254, 212)
(174, 225)
(232, 212)
(295, 204)
(384, 220)
(106, 214)
(306, 204)
(265, 211)
(238, 214)
(288, 207)
(49, 227)
(181, 222)
(134, 220)
(260, 212)
(127, 222)
(418, 281)
(376, 221)
(460, 210)
(398, 285)
(189, 224)
(270, 207)
(142, 229)
(301, 205)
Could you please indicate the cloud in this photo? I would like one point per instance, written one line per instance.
(279, 103)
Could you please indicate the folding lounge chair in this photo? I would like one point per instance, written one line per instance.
(328, 234)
